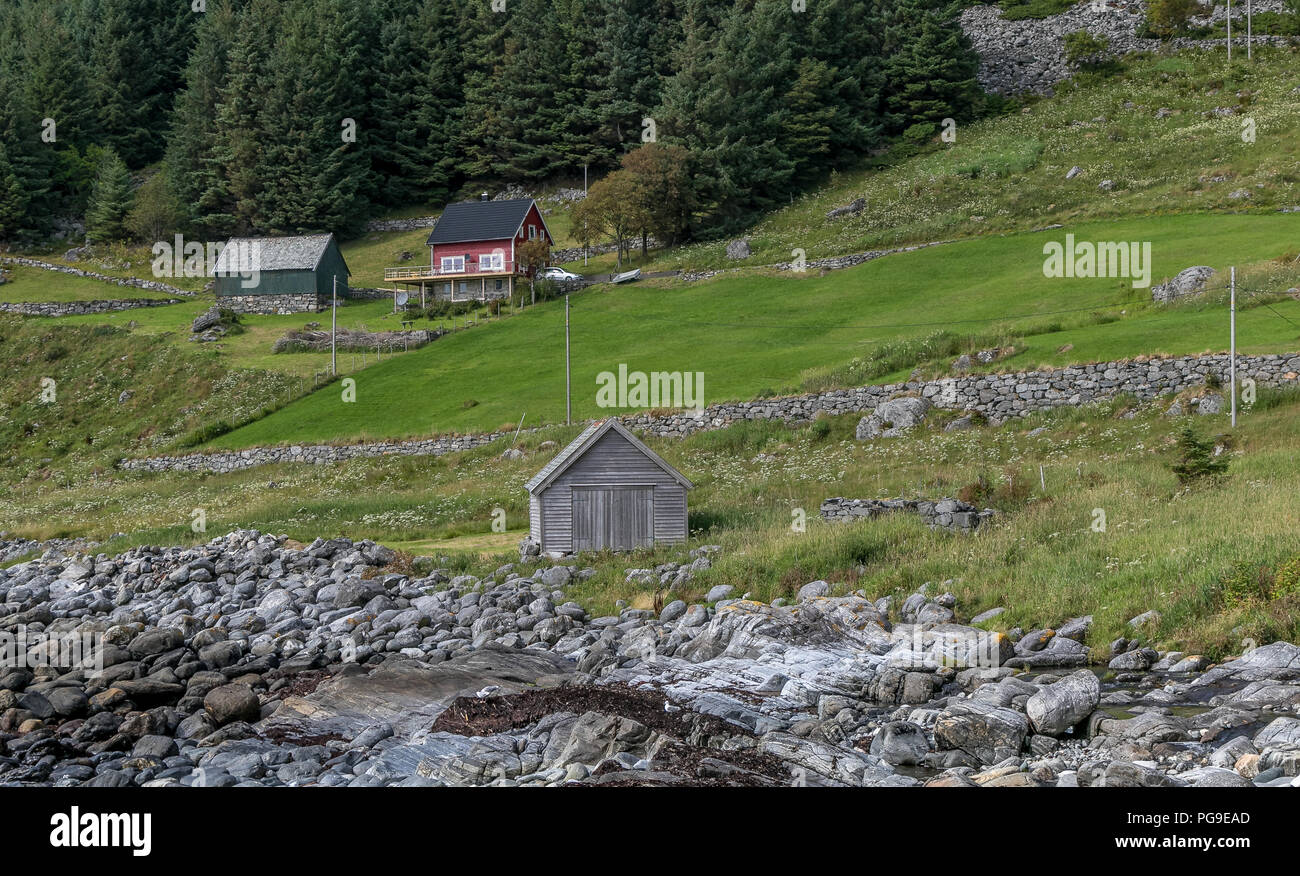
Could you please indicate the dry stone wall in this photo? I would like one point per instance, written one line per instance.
(316, 454)
(79, 308)
(294, 303)
(998, 396)
(950, 514)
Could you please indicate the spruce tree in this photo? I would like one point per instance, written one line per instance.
(13, 199)
(32, 162)
(744, 111)
(396, 145)
(440, 107)
(844, 35)
(137, 52)
(239, 151)
(930, 66)
(197, 177)
(484, 49)
(110, 199)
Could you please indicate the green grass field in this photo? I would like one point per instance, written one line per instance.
(754, 334)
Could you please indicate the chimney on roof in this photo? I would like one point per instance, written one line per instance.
(484, 197)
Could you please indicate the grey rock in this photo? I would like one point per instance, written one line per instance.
(893, 418)
(813, 589)
(1188, 282)
(720, 591)
(232, 702)
(900, 743)
(989, 615)
(1059, 706)
(739, 249)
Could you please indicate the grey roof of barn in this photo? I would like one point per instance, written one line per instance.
(571, 454)
(469, 221)
(303, 252)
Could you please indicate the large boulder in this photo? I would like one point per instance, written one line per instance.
(155, 641)
(857, 205)
(900, 743)
(1188, 282)
(986, 732)
(739, 249)
(206, 320)
(1137, 660)
(1060, 706)
(596, 736)
(892, 418)
(232, 702)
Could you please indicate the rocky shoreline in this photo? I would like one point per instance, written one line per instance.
(253, 660)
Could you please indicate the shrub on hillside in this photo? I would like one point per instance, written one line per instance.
(1245, 583)
(1088, 52)
(1168, 17)
(1196, 458)
(1286, 579)
(1253, 583)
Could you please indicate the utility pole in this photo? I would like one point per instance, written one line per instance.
(584, 224)
(1232, 343)
(568, 384)
(334, 323)
(1247, 30)
(1229, 31)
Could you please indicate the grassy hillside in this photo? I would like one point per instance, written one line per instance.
(116, 392)
(1008, 173)
(34, 284)
(755, 334)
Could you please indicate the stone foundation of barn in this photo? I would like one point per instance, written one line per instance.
(293, 303)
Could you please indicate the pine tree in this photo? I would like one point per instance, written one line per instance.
(744, 112)
(930, 67)
(197, 176)
(31, 162)
(440, 109)
(137, 52)
(110, 199)
(13, 199)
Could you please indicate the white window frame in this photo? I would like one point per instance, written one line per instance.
(492, 261)
(532, 232)
(453, 264)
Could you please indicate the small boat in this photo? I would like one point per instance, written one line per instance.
(626, 276)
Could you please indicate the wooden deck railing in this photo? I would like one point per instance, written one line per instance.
(431, 272)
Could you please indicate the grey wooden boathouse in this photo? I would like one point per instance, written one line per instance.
(606, 491)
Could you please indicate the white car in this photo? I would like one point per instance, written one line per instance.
(558, 274)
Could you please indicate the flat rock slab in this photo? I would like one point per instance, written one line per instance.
(410, 695)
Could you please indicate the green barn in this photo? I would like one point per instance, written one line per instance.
(280, 274)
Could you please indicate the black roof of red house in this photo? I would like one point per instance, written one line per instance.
(469, 221)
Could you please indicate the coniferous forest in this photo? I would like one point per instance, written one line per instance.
(283, 116)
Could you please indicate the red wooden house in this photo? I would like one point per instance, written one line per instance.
(473, 250)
